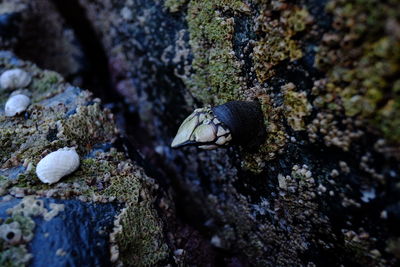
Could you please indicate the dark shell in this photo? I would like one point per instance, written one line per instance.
(244, 119)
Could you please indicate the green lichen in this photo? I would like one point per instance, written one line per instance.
(45, 82)
(174, 5)
(393, 246)
(276, 41)
(139, 233)
(15, 257)
(89, 126)
(362, 61)
(275, 140)
(296, 107)
(216, 68)
(140, 242)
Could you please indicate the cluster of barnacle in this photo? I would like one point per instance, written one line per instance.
(276, 42)
(328, 126)
(365, 166)
(362, 245)
(137, 227)
(101, 177)
(361, 58)
(90, 125)
(295, 106)
(17, 229)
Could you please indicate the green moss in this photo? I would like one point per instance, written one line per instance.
(216, 68)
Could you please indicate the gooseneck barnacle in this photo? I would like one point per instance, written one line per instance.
(236, 122)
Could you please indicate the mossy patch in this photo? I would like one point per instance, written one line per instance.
(139, 231)
(362, 59)
(216, 69)
(296, 106)
(275, 141)
(276, 42)
(174, 5)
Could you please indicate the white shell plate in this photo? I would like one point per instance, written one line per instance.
(57, 164)
(16, 104)
(14, 79)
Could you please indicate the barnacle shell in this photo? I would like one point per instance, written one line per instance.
(11, 233)
(239, 122)
(57, 164)
(202, 129)
(14, 78)
(16, 104)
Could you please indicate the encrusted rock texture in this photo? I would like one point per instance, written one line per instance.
(104, 213)
(323, 189)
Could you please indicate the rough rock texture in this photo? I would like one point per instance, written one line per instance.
(73, 231)
(36, 31)
(51, 229)
(323, 188)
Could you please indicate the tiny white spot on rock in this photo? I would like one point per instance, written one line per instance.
(126, 13)
(216, 241)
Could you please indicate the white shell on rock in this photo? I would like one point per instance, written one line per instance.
(14, 78)
(57, 164)
(16, 104)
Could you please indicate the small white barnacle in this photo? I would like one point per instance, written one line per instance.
(16, 104)
(239, 122)
(14, 79)
(11, 233)
(57, 164)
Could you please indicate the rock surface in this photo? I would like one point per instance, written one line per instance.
(104, 212)
(77, 234)
(322, 189)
